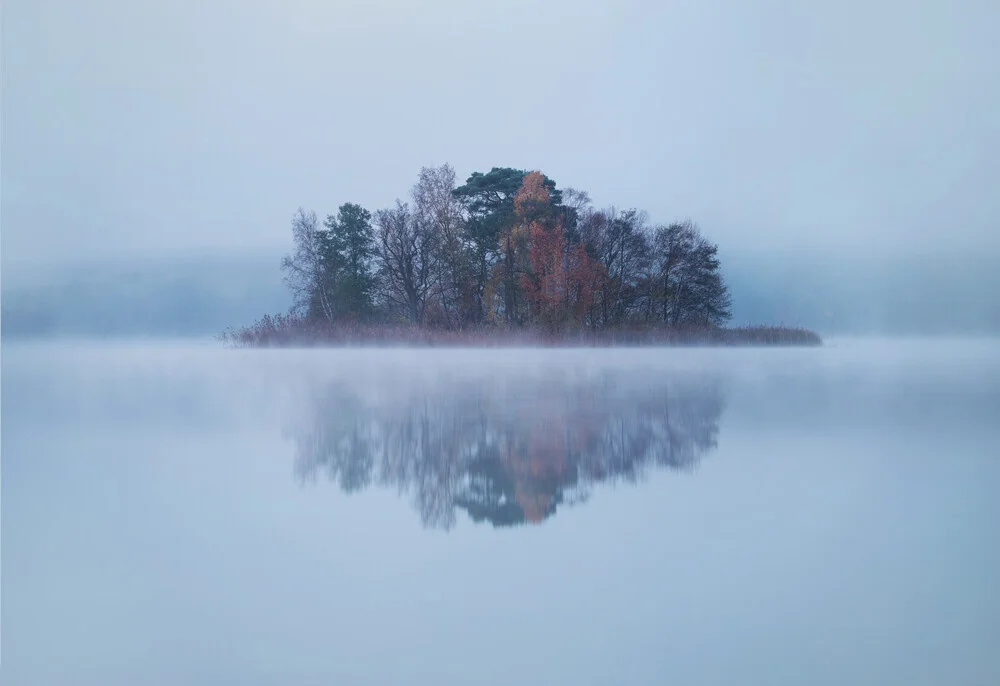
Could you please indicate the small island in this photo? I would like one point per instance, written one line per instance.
(505, 259)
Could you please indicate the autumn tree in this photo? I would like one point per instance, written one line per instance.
(530, 204)
(585, 274)
(489, 203)
(544, 283)
(561, 279)
(543, 280)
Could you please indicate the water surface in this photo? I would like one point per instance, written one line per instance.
(179, 513)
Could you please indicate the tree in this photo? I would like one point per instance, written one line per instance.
(577, 204)
(347, 250)
(585, 277)
(489, 203)
(561, 280)
(689, 287)
(305, 269)
(543, 280)
(544, 283)
(490, 196)
(619, 240)
(508, 247)
(437, 211)
(408, 256)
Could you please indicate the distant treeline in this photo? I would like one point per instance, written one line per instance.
(505, 254)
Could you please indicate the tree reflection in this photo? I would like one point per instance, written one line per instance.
(507, 451)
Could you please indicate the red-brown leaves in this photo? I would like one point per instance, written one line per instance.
(559, 281)
(545, 284)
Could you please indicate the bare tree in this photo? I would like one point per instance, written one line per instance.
(689, 288)
(408, 254)
(437, 211)
(673, 246)
(620, 240)
(577, 200)
(304, 269)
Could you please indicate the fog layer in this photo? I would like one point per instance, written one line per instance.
(141, 128)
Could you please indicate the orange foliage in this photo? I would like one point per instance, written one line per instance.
(557, 280)
(532, 198)
(545, 285)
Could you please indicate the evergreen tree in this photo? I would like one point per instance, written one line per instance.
(348, 249)
(503, 248)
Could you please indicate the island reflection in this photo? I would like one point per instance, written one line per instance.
(508, 451)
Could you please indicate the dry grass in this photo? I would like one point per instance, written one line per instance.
(292, 331)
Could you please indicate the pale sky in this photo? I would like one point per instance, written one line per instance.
(144, 127)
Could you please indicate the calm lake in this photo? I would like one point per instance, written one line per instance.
(180, 513)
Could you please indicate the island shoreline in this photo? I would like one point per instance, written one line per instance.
(289, 331)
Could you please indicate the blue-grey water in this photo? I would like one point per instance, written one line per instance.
(178, 513)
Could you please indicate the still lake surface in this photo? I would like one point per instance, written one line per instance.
(177, 513)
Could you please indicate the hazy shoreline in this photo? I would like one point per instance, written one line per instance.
(290, 331)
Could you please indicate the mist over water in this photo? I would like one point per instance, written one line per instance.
(782, 516)
(201, 295)
(178, 513)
